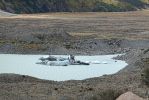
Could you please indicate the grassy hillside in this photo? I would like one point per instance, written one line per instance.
(35, 6)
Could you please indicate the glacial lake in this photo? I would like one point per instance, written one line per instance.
(26, 65)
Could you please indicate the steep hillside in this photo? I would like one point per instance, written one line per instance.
(36, 6)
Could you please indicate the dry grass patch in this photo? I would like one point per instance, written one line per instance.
(82, 33)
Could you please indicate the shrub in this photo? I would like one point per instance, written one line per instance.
(110, 94)
(145, 76)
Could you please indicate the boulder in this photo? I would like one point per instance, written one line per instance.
(129, 96)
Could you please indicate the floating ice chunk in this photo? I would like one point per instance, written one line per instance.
(104, 62)
(96, 62)
(58, 63)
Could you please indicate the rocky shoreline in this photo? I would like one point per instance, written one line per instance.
(128, 79)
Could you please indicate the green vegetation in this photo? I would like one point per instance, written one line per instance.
(145, 1)
(109, 94)
(145, 72)
(35, 6)
(145, 76)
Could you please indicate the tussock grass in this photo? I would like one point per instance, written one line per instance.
(145, 76)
